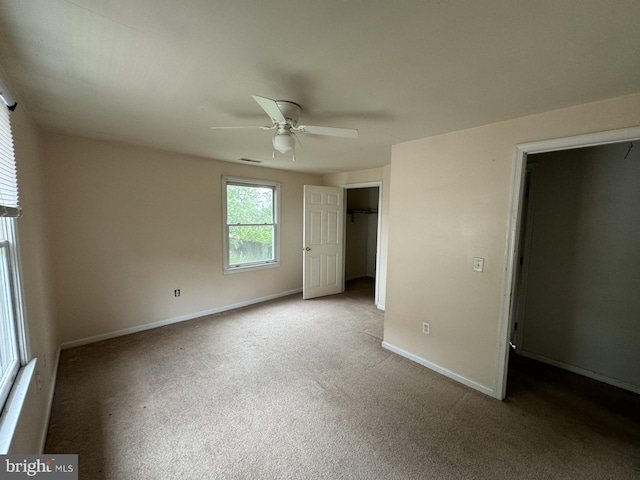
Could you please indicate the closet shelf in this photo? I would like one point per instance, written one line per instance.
(353, 212)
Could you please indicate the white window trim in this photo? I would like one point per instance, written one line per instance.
(231, 269)
(15, 403)
(10, 207)
(17, 396)
(9, 345)
(20, 317)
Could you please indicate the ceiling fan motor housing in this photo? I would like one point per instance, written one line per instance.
(290, 111)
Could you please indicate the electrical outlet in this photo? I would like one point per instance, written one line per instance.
(176, 292)
(425, 328)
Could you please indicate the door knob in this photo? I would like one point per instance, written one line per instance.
(307, 248)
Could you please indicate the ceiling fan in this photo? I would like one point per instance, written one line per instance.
(284, 115)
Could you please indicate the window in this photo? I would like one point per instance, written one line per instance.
(11, 324)
(9, 351)
(251, 224)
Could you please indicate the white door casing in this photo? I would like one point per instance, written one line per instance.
(513, 232)
(323, 241)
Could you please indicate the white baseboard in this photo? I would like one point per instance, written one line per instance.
(441, 370)
(581, 371)
(380, 307)
(52, 391)
(169, 321)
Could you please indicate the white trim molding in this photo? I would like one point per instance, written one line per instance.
(52, 391)
(169, 321)
(229, 268)
(513, 227)
(440, 370)
(581, 371)
(375, 184)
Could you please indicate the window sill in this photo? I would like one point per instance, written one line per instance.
(13, 407)
(248, 268)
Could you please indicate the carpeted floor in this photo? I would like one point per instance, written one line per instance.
(302, 389)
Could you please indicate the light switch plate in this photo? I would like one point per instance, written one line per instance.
(478, 264)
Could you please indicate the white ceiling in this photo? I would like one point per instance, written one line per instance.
(159, 73)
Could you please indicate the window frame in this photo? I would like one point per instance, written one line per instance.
(15, 306)
(250, 266)
(15, 382)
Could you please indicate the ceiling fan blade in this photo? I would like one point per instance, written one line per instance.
(331, 131)
(271, 108)
(251, 126)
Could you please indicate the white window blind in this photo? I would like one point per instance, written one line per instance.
(9, 204)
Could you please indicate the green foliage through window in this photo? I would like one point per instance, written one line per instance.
(250, 223)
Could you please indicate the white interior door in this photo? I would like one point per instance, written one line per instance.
(323, 241)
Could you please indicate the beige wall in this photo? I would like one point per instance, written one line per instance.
(121, 227)
(353, 178)
(37, 293)
(129, 225)
(371, 175)
(450, 202)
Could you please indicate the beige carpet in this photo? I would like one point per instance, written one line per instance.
(302, 389)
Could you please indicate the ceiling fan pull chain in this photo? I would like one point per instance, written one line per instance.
(297, 139)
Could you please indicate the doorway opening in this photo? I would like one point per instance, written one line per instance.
(519, 274)
(362, 227)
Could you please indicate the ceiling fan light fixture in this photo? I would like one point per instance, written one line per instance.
(283, 142)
